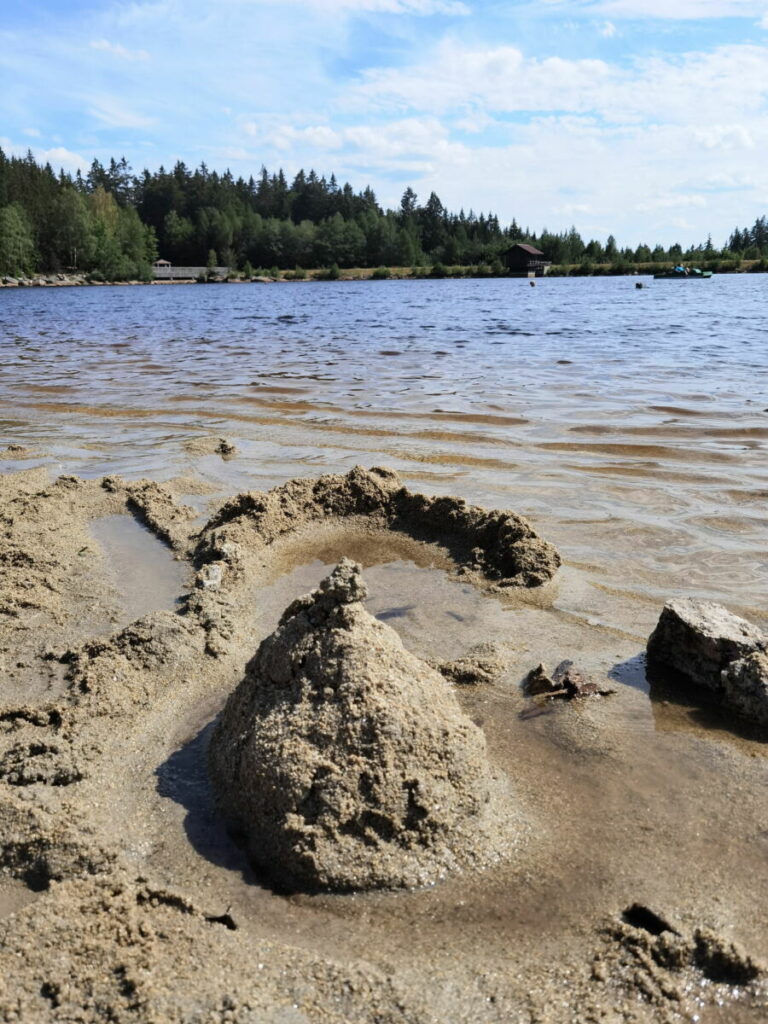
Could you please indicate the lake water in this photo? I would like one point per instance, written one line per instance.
(629, 425)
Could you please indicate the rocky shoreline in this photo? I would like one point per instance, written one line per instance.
(71, 281)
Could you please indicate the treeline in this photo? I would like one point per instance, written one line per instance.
(112, 224)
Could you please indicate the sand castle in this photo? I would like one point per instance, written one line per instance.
(345, 761)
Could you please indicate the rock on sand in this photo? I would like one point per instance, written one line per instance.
(344, 761)
(745, 686)
(717, 650)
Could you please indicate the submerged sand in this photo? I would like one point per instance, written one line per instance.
(628, 889)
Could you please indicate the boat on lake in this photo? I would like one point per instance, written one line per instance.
(681, 274)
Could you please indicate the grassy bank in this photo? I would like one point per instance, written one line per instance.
(439, 270)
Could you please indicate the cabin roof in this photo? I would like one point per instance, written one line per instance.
(531, 250)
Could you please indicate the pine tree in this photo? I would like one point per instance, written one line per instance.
(17, 248)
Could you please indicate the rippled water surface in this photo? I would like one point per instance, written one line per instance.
(629, 424)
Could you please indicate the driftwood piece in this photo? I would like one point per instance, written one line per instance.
(566, 683)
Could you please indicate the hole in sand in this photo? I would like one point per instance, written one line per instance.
(642, 917)
(140, 567)
(722, 963)
(37, 877)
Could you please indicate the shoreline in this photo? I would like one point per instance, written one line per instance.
(59, 280)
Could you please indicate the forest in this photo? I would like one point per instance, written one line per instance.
(112, 224)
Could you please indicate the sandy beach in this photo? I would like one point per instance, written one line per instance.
(153, 539)
(125, 892)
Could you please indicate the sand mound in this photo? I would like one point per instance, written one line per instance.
(346, 761)
(488, 544)
(211, 446)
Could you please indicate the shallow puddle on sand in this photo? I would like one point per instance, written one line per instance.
(420, 602)
(141, 568)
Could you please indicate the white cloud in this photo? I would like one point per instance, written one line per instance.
(414, 7)
(116, 50)
(668, 10)
(475, 123)
(33, 133)
(406, 137)
(617, 146)
(569, 209)
(111, 113)
(62, 157)
(638, 184)
(57, 157)
(319, 136)
(369, 144)
(671, 202)
(641, 182)
(722, 86)
(724, 137)
(499, 78)
(322, 136)
(235, 153)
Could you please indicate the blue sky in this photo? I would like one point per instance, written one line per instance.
(647, 119)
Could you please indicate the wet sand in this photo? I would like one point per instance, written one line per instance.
(108, 815)
(122, 893)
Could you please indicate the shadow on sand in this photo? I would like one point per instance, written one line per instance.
(680, 705)
(183, 778)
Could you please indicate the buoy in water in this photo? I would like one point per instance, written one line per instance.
(638, 284)
(532, 284)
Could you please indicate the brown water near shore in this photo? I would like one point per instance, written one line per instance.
(647, 470)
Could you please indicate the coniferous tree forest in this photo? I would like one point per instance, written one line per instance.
(112, 224)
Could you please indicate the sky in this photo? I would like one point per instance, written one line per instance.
(645, 119)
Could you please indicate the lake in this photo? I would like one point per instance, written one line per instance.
(628, 424)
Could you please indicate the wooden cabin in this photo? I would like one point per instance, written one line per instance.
(526, 261)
